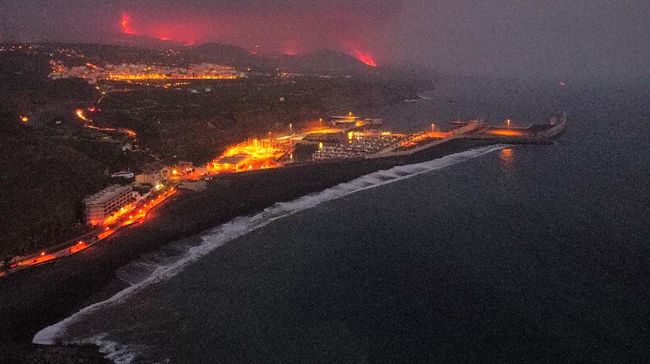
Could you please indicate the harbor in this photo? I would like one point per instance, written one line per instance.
(350, 136)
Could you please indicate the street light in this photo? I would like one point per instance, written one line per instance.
(433, 127)
(508, 122)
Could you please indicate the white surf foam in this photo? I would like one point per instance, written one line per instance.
(239, 226)
(420, 98)
(114, 351)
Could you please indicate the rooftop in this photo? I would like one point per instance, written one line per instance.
(106, 194)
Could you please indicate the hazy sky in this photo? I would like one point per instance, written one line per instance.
(546, 38)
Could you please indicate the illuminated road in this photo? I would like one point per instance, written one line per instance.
(135, 213)
(81, 114)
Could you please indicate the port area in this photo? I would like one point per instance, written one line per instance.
(130, 214)
(349, 136)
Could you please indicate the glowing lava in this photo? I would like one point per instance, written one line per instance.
(179, 31)
(125, 24)
(354, 48)
(364, 57)
(290, 48)
(283, 33)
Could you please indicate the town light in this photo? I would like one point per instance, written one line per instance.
(24, 119)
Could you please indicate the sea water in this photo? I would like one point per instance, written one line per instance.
(501, 253)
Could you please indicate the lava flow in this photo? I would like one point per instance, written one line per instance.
(365, 58)
(125, 23)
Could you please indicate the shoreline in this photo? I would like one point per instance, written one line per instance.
(37, 298)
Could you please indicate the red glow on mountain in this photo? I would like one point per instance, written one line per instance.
(268, 34)
(365, 58)
(354, 48)
(290, 48)
(178, 31)
(174, 32)
(125, 24)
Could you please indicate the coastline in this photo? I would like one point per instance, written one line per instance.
(57, 290)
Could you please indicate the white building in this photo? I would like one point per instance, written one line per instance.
(153, 177)
(99, 206)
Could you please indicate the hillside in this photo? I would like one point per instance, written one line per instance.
(51, 162)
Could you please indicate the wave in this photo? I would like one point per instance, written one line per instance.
(171, 260)
(114, 351)
(419, 98)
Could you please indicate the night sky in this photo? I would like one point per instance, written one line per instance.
(551, 39)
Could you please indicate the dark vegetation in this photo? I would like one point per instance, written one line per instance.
(49, 163)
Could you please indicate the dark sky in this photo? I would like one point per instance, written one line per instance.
(547, 39)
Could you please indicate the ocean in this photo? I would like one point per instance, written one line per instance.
(498, 254)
